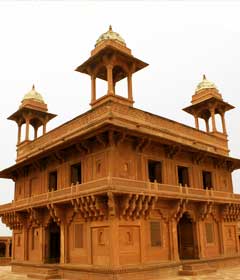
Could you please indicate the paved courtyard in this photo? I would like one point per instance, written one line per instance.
(224, 274)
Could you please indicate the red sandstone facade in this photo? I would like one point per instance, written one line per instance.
(119, 193)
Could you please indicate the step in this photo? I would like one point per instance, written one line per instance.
(43, 276)
(196, 269)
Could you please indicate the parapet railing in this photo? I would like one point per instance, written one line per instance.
(160, 124)
(120, 185)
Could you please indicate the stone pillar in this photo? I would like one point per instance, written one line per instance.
(7, 255)
(25, 242)
(93, 79)
(63, 243)
(114, 246)
(19, 133)
(207, 125)
(35, 132)
(221, 238)
(27, 129)
(44, 127)
(200, 240)
(13, 245)
(173, 238)
(129, 79)
(110, 79)
(196, 121)
(223, 123)
(212, 111)
(42, 243)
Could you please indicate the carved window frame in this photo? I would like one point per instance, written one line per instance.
(190, 173)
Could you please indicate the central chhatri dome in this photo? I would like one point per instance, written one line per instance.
(205, 84)
(110, 35)
(33, 95)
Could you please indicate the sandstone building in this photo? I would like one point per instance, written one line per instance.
(119, 193)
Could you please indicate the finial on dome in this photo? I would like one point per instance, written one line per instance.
(33, 87)
(110, 35)
(204, 77)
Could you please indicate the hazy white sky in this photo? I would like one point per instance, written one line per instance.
(42, 42)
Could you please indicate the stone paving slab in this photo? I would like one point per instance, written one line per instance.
(221, 274)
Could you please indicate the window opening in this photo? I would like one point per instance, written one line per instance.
(76, 174)
(155, 171)
(52, 181)
(183, 176)
(207, 179)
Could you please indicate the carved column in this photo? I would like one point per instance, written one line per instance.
(200, 241)
(212, 111)
(35, 132)
(129, 79)
(7, 255)
(93, 97)
(27, 129)
(221, 238)
(196, 121)
(19, 133)
(25, 242)
(173, 234)
(207, 125)
(44, 127)
(63, 241)
(110, 79)
(223, 123)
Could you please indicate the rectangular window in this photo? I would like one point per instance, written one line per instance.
(52, 181)
(76, 174)
(207, 179)
(209, 232)
(155, 171)
(183, 176)
(155, 234)
(78, 235)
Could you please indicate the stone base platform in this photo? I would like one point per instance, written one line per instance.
(196, 269)
(167, 270)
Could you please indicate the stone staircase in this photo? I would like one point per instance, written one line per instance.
(196, 269)
(47, 274)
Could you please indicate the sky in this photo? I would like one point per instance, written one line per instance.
(42, 42)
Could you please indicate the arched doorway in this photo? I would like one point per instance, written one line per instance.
(187, 241)
(2, 249)
(53, 243)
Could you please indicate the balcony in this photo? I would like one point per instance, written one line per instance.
(120, 186)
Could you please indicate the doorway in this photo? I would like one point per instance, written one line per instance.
(2, 249)
(187, 242)
(53, 247)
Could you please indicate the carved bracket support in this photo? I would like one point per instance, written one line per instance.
(231, 212)
(136, 206)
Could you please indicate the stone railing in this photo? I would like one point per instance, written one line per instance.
(146, 122)
(120, 185)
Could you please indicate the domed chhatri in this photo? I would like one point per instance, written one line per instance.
(205, 84)
(33, 95)
(110, 35)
